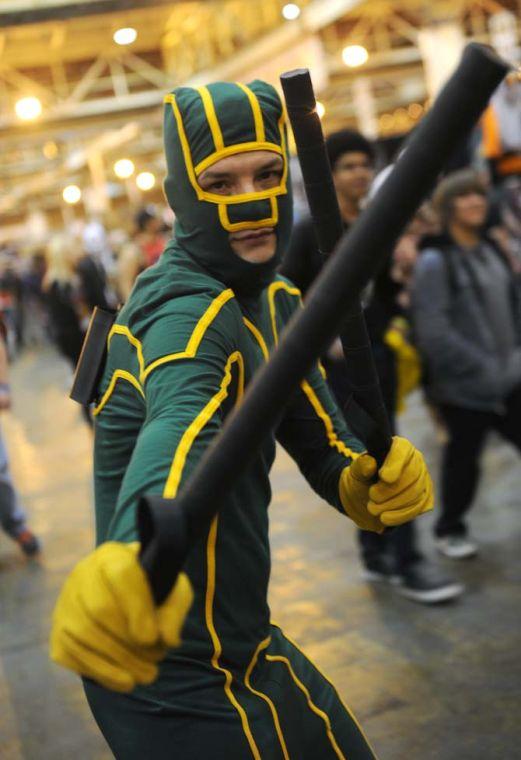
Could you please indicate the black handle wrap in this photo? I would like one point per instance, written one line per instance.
(327, 221)
(356, 259)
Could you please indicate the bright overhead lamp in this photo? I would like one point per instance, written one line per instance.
(321, 109)
(354, 55)
(124, 168)
(291, 11)
(28, 108)
(71, 194)
(125, 36)
(145, 180)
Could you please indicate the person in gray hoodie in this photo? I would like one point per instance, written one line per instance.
(467, 320)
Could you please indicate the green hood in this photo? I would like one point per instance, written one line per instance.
(201, 126)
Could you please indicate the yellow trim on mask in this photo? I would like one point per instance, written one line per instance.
(232, 150)
(260, 133)
(229, 150)
(269, 221)
(211, 117)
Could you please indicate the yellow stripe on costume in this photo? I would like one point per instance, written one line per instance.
(197, 335)
(272, 290)
(170, 491)
(210, 594)
(260, 134)
(211, 117)
(332, 437)
(124, 330)
(258, 337)
(193, 430)
(119, 374)
(334, 440)
(346, 708)
(265, 697)
(312, 706)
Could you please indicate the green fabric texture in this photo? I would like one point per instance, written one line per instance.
(198, 228)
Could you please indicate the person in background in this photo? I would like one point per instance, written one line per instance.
(143, 250)
(67, 310)
(392, 556)
(467, 322)
(12, 516)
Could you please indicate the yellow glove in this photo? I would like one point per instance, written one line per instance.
(106, 625)
(403, 490)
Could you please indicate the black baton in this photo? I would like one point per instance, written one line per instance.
(365, 410)
(169, 528)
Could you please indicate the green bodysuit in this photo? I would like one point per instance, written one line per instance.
(197, 326)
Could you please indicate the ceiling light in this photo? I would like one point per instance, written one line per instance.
(354, 55)
(71, 194)
(50, 150)
(125, 36)
(145, 180)
(321, 109)
(291, 11)
(28, 108)
(124, 168)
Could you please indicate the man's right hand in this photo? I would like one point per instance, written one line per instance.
(106, 625)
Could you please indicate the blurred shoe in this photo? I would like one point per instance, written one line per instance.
(28, 543)
(456, 547)
(378, 569)
(423, 582)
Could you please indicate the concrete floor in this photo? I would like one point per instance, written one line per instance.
(426, 683)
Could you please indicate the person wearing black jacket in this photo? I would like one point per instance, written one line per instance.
(392, 556)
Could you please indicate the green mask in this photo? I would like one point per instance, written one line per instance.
(201, 126)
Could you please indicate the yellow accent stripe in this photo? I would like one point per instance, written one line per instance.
(258, 337)
(232, 150)
(119, 374)
(210, 594)
(185, 145)
(260, 133)
(193, 430)
(124, 330)
(312, 706)
(322, 370)
(196, 336)
(332, 437)
(272, 290)
(269, 221)
(265, 697)
(171, 490)
(229, 150)
(211, 116)
(346, 708)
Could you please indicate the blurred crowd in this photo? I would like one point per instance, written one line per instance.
(444, 314)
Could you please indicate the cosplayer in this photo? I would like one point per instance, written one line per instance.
(195, 329)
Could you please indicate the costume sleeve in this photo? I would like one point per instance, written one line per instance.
(315, 435)
(187, 397)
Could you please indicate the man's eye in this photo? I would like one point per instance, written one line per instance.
(219, 186)
(271, 177)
